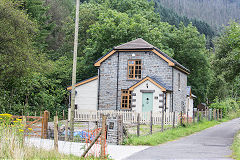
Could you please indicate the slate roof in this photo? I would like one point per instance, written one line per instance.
(160, 82)
(157, 80)
(139, 44)
(135, 44)
(189, 92)
(83, 82)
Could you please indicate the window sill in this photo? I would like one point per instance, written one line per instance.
(134, 79)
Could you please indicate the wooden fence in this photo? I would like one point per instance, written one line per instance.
(130, 117)
(37, 124)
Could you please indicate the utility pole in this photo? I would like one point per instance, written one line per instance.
(74, 70)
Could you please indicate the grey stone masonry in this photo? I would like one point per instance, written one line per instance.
(179, 94)
(113, 75)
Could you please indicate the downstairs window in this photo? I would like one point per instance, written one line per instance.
(126, 99)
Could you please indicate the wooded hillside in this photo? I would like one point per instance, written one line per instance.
(216, 13)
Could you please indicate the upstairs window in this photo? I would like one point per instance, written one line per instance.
(126, 99)
(134, 69)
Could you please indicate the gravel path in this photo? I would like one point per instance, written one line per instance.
(210, 144)
(117, 152)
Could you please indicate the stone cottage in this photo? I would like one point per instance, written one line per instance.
(134, 76)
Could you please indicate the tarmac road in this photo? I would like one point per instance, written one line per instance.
(210, 144)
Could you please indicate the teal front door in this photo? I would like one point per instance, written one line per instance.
(147, 102)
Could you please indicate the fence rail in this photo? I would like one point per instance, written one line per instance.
(130, 116)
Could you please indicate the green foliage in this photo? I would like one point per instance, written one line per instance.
(16, 51)
(229, 106)
(189, 48)
(236, 147)
(226, 62)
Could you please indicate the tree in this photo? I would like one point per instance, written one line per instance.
(189, 50)
(16, 51)
(226, 61)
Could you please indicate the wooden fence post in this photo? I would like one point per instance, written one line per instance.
(45, 124)
(24, 123)
(213, 115)
(174, 119)
(181, 119)
(63, 115)
(221, 113)
(217, 114)
(187, 117)
(103, 136)
(56, 133)
(66, 131)
(162, 126)
(207, 113)
(138, 124)
(194, 117)
(151, 122)
(198, 118)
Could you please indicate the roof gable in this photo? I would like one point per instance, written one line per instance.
(141, 45)
(155, 81)
(83, 82)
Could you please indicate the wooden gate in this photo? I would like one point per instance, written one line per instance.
(36, 126)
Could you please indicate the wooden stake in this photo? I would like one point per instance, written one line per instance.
(66, 131)
(162, 126)
(151, 122)
(181, 119)
(56, 133)
(74, 70)
(198, 118)
(221, 113)
(89, 147)
(45, 124)
(103, 136)
(187, 117)
(194, 114)
(138, 124)
(174, 119)
(24, 123)
(63, 115)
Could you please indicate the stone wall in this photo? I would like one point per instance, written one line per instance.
(152, 65)
(179, 95)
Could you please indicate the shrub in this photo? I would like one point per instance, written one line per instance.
(228, 106)
(11, 137)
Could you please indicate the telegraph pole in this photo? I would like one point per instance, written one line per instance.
(74, 70)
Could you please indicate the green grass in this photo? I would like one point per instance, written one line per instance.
(236, 147)
(170, 135)
(145, 129)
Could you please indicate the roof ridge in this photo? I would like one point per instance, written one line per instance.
(138, 43)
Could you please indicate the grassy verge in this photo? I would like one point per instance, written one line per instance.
(36, 153)
(169, 135)
(236, 147)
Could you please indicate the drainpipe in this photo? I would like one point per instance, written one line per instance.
(172, 89)
(98, 88)
(117, 81)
